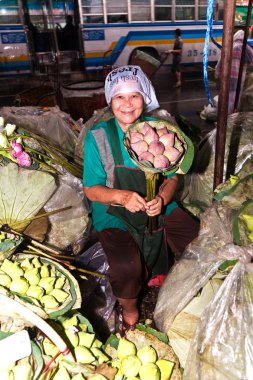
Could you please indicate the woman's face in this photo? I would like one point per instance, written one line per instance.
(127, 108)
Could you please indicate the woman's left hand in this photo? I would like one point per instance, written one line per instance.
(154, 207)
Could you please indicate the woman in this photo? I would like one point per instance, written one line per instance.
(116, 188)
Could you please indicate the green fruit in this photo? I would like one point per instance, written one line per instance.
(250, 236)
(49, 302)
(73, 321)
(119, 376)
(166, 368)
(50, 349)
(59, 294)
(72, 337)
(23, 371)
(130, 365)
(5, 280)
(99, 355)
(36, 262)
(147, 354)
(19, 285)
(44, 271)
(233, 179)
(86, 339)
(7, 266)
(62, 374)
(125, 348)
(149, 371)
(249, 221)
(16, 271)
(53, 271)
(83, 355)
(116, 363)
(26, 264)
(97, 343)
(32, 276)
(59, 282)
(83, 327)
(98, 376)
(47, 283)
(35, 292)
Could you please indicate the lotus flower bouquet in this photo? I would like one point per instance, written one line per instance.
(30, 150)
(158, 147)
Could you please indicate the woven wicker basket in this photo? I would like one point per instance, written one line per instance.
(83, 98)
(37, 96)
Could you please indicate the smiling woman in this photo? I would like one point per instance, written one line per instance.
(117, 190)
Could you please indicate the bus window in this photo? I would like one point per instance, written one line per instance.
(185, 9)
(9, 12)
(92, 11)
(117, 11)
(140, 10)
(162, 10)
(202, 10)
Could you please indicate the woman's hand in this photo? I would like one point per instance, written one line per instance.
(132, 201)
(155, 206)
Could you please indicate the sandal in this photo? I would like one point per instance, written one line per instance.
(123, 325)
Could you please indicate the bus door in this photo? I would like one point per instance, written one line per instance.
(14, 54)
(46, 21)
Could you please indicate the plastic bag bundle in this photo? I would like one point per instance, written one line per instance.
(222, 347)
(238, 150)
(53, 124)
(193, 281)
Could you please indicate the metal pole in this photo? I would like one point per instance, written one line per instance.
(246, 32)
(226, 55)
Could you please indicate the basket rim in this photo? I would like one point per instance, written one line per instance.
(66, 86)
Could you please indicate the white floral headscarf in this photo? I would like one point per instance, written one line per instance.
(127, 79)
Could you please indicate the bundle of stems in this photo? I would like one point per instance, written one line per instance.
(151, 188)
(57, 155)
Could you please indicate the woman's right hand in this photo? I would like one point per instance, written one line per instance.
(132, 201)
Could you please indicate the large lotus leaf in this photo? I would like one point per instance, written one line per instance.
(22, 194)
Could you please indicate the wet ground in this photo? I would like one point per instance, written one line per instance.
(187, 100)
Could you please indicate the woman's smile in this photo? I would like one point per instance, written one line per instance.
(127, 108)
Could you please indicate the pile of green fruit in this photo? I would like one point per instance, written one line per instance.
(84, 345)
(142, 363)
(34, 278)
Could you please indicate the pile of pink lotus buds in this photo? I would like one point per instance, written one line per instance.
(155, 145)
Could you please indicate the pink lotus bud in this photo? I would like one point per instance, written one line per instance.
(139, 147)
(171, 153)
(156, 147)
(16, 149)
(161, 131)
(136, 136)
(24, 159)
(146, 156)
(145, 128)
(151, 136)
(167, 139)
(161, 162)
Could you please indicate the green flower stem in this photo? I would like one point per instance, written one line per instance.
(151, 181)
(40, 138)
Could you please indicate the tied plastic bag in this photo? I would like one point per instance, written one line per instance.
(222, 346)
(193, 281)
